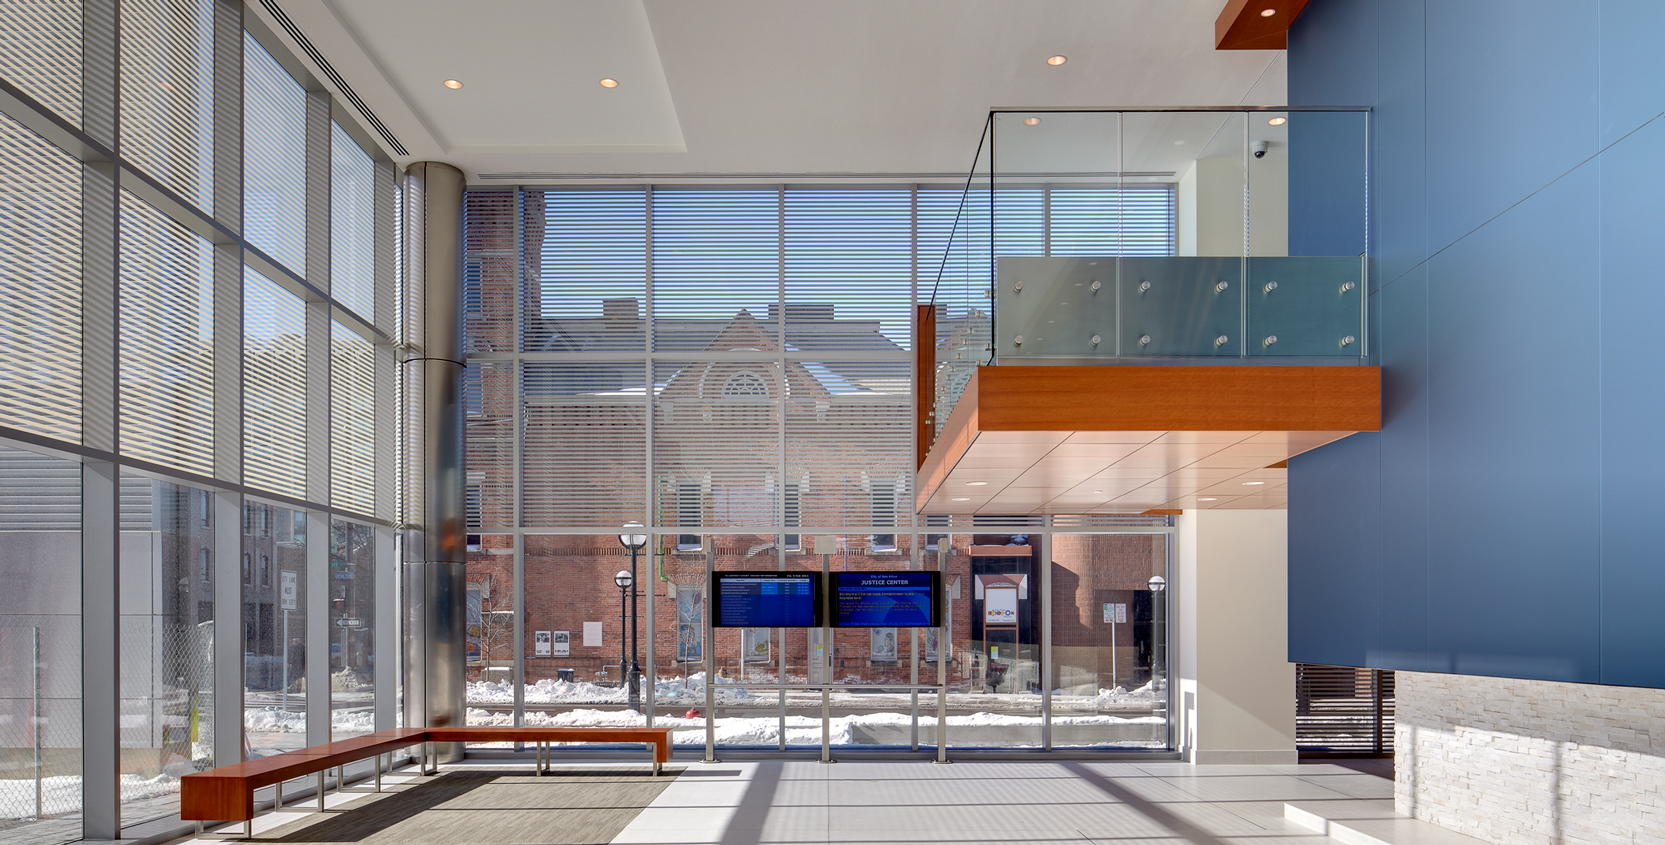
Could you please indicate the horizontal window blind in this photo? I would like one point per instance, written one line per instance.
(40, 53)
(352, 226)
(488, 398)
(717, 424)
(167, 93)
(848, 437)
(274, 387)
(274, 158)
(491, 271)
(38, 493)
(1126, 220)
(352, 421)
(40, 264)
(167, 332)
(585, 443)
(1343, 710)
(716, 254)
(849, 269)
(587, 264)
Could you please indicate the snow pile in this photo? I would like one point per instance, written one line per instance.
(347, 680)
(271, 720)
(690, 690)
(1140, 696)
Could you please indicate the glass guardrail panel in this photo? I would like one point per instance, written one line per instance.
(1055, 306)
(1181, 307)
(1306, 306)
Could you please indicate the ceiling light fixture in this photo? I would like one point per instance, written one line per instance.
(453, 84)
(959, 498)
(1031, 121)
(1179, 143)
(1057, 60)
(1278, 121)
(1266, 13)
(1208, 498)
(1252, 483)
(609, 83)
(1098, 492)
(976, 484)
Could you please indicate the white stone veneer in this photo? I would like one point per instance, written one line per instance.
(1526, 762)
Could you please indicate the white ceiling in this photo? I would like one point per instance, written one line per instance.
(727, 87)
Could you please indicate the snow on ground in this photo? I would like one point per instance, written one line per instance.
(271, 720)
(546, 691)
(765, 730)
(61, 794)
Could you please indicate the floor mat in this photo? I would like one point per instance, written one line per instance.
(487, 807)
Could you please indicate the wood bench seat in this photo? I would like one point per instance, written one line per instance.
(226, 793)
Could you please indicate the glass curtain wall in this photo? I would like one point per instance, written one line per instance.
(721, 367)
(228, 458)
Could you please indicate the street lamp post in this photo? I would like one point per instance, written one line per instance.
(624, 580)
(634, 542)
(1159, 632)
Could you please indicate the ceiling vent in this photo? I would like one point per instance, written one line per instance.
(341, 85)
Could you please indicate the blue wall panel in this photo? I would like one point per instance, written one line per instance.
(1401, 145)
(1511, 103)
(1633, 409)
(1632, 66)
(1327, 183)
(1513, 458)
(1332, 54)
(1334, 553)
(1403, 308)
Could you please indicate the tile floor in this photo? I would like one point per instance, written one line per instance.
(1035, 803)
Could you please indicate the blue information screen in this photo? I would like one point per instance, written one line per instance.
(765, 599)
(884, 599)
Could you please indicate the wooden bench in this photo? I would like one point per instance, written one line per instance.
(226, 793)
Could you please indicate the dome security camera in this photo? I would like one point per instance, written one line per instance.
(1259, 148)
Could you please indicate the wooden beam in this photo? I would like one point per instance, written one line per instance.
(925, 379)
(1201, 398)
(1243, 26)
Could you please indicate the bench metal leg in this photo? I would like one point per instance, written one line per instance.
(320, 792)
(378, 773)
(199, 828)
(277, 802)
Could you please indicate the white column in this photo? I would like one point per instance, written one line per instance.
(1236, 685)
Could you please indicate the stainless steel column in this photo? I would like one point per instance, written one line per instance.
(436, 591)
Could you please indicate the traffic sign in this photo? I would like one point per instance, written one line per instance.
(349, 622)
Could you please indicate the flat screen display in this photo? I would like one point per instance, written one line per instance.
(766, 599)
(886, 599)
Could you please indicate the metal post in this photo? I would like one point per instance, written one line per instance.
(320, 792)
(624, 642)
(945, 646)
(826, 652)
(635, 667)
(34, 728)
(286, 653)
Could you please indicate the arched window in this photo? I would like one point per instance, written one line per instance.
(745, 386)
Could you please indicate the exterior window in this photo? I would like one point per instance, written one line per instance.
(790, 514)
(689, 511)
(206, 567)
(745, 386)
(248, 518)
(248, 573)
(265, 571)
(883, 497)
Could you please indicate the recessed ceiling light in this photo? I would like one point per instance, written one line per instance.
(1266, 13)
(1056, 60)
(959, 498)
(1179, 143)
(1252, 483)
(1031, 121)
(1277, 121)
(452, 84)
(609, 83)
(976, 484)
(1098, 492)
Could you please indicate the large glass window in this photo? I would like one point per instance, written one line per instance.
(274, 158)
(352, 629)
(274, 387)
(167, 317)
(274, 637)
(167, 643)
(40, 251)
(167, 94)
(40, 646)
(352, 225)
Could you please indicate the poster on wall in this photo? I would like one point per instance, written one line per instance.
(592, 634)
(754, 644)
(931, 637)
(541, 643)
(690, 623)
(560, 643)
(884, 644)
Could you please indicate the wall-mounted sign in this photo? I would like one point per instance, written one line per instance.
(289, 587)
(592, 634)
(541, 641)
(1000, 604)
(1115, 612)
(560, 643)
